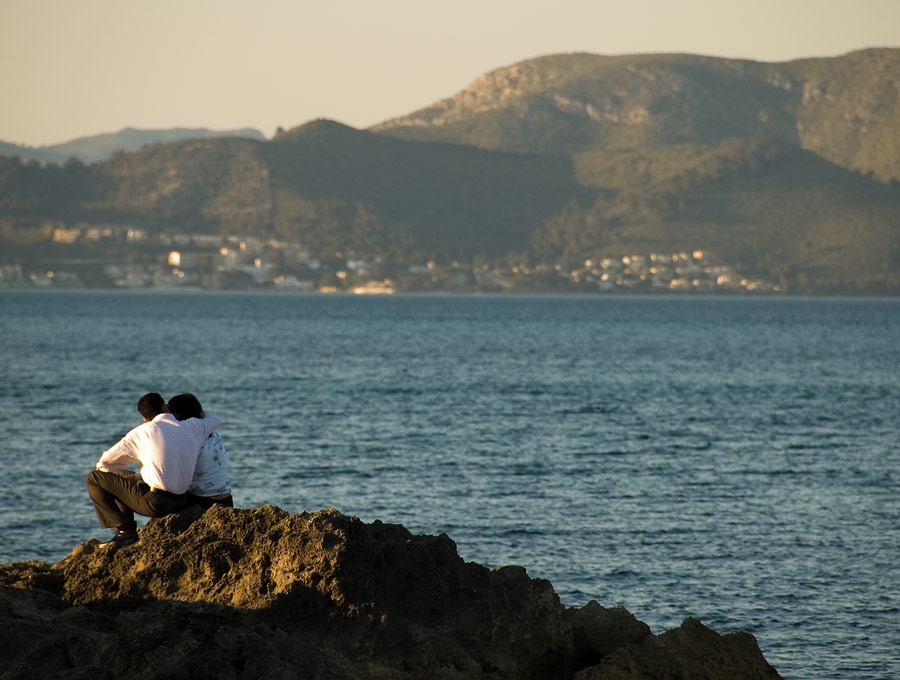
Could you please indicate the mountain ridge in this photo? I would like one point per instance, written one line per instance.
(99, 147)
(578, 102)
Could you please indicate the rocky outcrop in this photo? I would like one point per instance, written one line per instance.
(260, 593)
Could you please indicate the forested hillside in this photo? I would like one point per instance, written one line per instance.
(766, 206)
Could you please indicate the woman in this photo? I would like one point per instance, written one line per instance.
(209, 485)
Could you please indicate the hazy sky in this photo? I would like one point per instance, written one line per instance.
(71, 68)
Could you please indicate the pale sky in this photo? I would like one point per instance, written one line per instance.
(71, 68)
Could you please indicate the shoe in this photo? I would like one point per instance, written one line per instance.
(122, 538)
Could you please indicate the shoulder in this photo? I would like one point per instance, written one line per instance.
(214, 442)
(134, 438)
(163, 419)
(141, 429)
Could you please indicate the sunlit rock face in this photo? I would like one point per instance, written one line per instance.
(252, 593)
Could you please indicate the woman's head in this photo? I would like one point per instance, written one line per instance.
(184, 406)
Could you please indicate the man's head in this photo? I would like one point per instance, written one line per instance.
(184, 406)
(151, 405)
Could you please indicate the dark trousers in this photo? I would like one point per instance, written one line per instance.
(118, 495)
(206, 503)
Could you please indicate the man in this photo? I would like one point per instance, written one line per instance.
(210, 484)
(167, 450)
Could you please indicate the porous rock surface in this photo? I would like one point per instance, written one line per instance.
(260, 593)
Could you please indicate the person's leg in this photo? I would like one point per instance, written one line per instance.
(161, 503)
(117, 496)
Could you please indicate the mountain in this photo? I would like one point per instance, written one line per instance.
(442, 200)
(323, 184)
(846, 109)
(101, 147)
(786, 171)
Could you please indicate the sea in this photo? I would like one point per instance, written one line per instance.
(733, 459)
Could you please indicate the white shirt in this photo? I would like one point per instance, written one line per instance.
(211, 474)
(166, 447)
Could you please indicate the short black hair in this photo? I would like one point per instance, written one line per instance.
(151, 405)
(184, 406)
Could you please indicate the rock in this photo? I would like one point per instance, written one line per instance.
(690, 652)
(598, 631)
(260, 593)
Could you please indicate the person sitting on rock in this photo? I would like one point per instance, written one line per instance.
(210, 484)
(167, 449)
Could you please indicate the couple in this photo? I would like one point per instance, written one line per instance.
(183, 463)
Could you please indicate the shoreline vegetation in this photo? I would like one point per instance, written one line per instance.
(214, 594)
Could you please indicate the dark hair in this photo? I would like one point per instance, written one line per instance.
(184, 406)
(151, 405)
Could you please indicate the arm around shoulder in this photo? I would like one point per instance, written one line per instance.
(210, 423)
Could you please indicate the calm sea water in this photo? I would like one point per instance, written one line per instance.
(733, 459)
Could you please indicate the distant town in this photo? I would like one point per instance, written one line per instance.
(113, 256)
